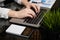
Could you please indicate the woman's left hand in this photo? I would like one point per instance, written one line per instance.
(31, 5)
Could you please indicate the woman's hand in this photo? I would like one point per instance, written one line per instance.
(22, 13)
(31, 5)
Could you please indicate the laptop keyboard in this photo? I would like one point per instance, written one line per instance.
(37, 19)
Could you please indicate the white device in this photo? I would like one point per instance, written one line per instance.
(15, 29)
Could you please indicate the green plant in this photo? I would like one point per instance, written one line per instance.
(51, 20)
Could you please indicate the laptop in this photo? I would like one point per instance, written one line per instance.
(35, 22)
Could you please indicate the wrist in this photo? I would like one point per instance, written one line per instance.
(12, 13)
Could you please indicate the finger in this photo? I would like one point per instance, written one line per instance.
(30, 16)
(38, 8)
(35, 8)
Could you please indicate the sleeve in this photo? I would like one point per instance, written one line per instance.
(4, 13)
(18, 1)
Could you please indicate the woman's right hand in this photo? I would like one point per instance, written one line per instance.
(27, 12)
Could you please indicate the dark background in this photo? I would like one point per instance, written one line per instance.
(36, 35)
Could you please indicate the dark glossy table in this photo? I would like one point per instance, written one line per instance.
(28, 34)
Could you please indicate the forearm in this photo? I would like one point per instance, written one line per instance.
(21, 1)
(24, 2)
